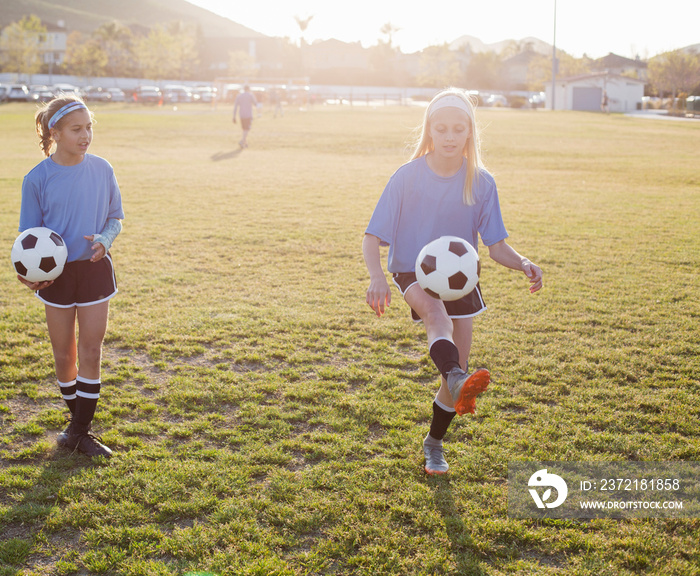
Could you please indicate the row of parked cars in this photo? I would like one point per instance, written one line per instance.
(169, 94)
(174, 94)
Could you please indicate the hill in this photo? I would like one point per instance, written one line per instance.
(86, 15)
(478, 46)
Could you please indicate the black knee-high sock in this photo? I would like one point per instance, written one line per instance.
(445, 355)
(441, 421)
(68, 390)
(87, 395)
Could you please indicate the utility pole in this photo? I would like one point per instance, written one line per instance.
(554, 56)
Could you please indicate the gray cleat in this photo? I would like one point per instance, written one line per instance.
(434, 452)
(464, 388)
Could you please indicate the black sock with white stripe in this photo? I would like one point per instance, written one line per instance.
(87, 395)
(68, 390)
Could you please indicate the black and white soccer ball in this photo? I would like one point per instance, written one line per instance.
(39, 254)
(448, 268)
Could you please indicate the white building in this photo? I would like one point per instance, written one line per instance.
(586, 93)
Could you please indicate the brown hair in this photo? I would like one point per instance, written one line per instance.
(45, 113)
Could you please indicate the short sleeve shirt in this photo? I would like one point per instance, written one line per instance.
(74, 201)
(418, 206)
(245, 102)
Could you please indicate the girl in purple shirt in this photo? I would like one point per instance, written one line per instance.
(443, 190)
(76, 195)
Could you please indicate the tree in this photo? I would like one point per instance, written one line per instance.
(389, 30)
(185, 56)
(303, 24)
(484, 71)
(383, 57)
(116, 41)
(539, 72)
(20, 46)
(675, 72)
(382, 61)
(84, 56)
(570, 66)
(438, 67)
(241, 65)
(154, 53)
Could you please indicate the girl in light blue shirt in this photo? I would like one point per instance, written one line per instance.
(444, 190)
(76, 195)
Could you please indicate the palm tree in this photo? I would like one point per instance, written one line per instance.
(303, 25)
(389, 30)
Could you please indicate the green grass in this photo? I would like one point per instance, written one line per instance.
(265, 422)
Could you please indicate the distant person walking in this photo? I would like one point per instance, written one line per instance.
(277, 99)
(243, 106)
(604, 106)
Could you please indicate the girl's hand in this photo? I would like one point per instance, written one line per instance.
(34, 286)
(534, 273)
(98, 249)
(379, 295)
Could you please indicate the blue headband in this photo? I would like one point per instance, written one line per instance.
(67, 109)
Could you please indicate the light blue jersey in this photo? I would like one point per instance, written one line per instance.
(74, 201)
(418, 206)
(244, 103)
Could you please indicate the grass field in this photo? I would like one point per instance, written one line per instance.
(264, 421)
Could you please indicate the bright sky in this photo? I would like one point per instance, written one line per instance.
(594, 27)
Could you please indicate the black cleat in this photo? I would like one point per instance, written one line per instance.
(85, 443)
(62, 438)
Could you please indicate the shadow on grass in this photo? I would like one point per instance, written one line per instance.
(226, 155)
(462, 544)
(21, 522)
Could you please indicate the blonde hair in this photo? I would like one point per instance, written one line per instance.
(472, 149)
(45, 113)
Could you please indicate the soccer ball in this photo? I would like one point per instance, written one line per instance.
(39, 254)
(447, 268)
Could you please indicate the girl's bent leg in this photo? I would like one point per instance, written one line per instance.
(438, 326)
(462, 335)
(437, 323)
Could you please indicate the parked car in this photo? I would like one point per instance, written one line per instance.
(206, 94)
(18, 93)
(117, 94)
(66, 89)
(230, 91)
(692, 105)
(498, 100)
(96, 94)
(651, 102)
(537, 100)
(148, 94)
(41, 94)
(177, 94)
(260, 93)
(298, 95)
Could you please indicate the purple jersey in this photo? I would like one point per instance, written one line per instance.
(418, 206)
(74, 201)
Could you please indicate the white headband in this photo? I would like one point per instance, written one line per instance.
(450, 101)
